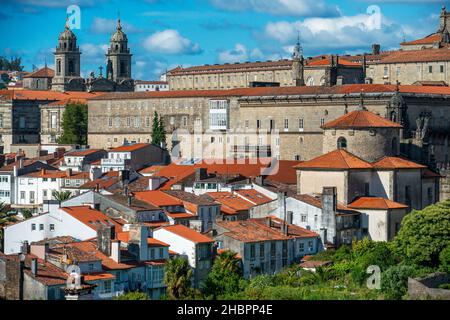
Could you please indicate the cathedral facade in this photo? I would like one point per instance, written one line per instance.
(67, 75)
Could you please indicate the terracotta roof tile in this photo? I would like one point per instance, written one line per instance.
(188, 234)
(337, 159)
(43, 95)
(231, 201)
(254, 196)
(430, 39)
(376, 203)
(131, 147)
(91, 217)
(82, 153)
(316, 201)
(397, 163)
(424, 55)
(158, 198)
(360, 119)
(41, 73)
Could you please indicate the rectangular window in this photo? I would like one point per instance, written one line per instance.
(1, 120)
(22, 195)
(33, 226)
(322, 121)
(301, 247)
(53, 120)
(247, 124)
(300, 123)
(441, 69)
(258, 124)
(430, 69)
(41, 227)
(286, 124)
(386, 71)
(147, 122)
(261, 250)
(128, 121)
(304, 218)
(252, 251)
(52, 227)
(137, 122)
(110, 122)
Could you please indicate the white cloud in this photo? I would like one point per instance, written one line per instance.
(279, 7)
(93, 53)
(59, 3)
(321, 35)
(237, 54)
(170, 42)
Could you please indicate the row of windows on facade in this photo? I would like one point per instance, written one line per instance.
(152, 86)
(286, 76)
(137, 121)
(251, 253)
(22, 122)
(398, 70)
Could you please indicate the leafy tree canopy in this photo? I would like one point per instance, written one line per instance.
(74, 124)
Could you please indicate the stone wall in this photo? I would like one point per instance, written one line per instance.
(427, 287)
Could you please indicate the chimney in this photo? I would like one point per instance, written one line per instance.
(39, 250)
(269, 222)
(21, 163)
(25, 248)
(105, 235)
(290, 217)
(68, 172)
(97, 187)
(327, 219)
(139, 236)
(42, 172)
(200, 174)
(34, 266)
(129, 199)
(340, 81)
(376, 49)
(115, 251)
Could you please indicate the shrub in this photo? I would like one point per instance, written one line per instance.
(394, 281)
(444, 258)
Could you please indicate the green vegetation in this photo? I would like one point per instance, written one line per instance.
(13, 64)
(135, 295)
(74, 124)
(177, 278)
(158, 130)
(61, 196)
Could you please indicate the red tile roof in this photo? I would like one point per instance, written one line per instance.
(82, 153)
(131, 147)
(233, 202)
(41, 73)
(337, 159)
(283, 171)
(397, 163)
(47, 174)
(91, 217)
(47, 273)
(412, 56)
(316, 201)
(430, 39)
(376, 203)
(327, 62)
(253, 196)
(158, 198)
(188, 234)
(360, 119)
(43, 95)
(152, 242)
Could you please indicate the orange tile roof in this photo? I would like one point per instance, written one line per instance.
(68, 101)
(107, 180)
(376, 203)
(316, 201)
(44, 95)
(78, 175)
(98, 276)
(234, 202)
(82, 153)
(131, 147)
(284, 172)
(152, 242)
(337, 159)
(397, 163)
(327, 62)
(256, 230)
(91, 217)
(158, 198)
(41, 73)
(188, 234)
(411, 56)
(277, 91)
(47, 174)
(152, 169)
(360, 119)
(430, 39)
(254, 196)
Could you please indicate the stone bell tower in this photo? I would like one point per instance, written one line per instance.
(298, 65)
(119, 58)
(67, 63)
(444, 25)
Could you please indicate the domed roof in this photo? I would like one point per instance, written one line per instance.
(119, 35)
(67, 34)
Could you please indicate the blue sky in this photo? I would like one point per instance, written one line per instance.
(165, 33)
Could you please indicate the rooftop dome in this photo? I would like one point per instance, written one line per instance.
(67, 34)
(119, 35)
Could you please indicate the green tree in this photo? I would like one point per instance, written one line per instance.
(156, 134)
(162, 132)
(177, 278)
(225, 276)
(394, 281)
(26, 213)
(424, 234)
(444, 258)
(134, 295)
(61, 196)
(74, 124)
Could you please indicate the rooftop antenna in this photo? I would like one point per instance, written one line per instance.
(45, 59)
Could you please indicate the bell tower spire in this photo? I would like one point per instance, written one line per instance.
(298, 64)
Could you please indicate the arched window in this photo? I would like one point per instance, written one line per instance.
(71, 67)
(393, 116)
(394, 146)
(58, 67)
(310, 81)
(322, 81)
(342, 143)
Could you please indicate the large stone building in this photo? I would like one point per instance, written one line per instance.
(280, 122)
(322, 70)
(68, 64)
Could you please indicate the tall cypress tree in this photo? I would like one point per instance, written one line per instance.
(156, 136)
(162, 132)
